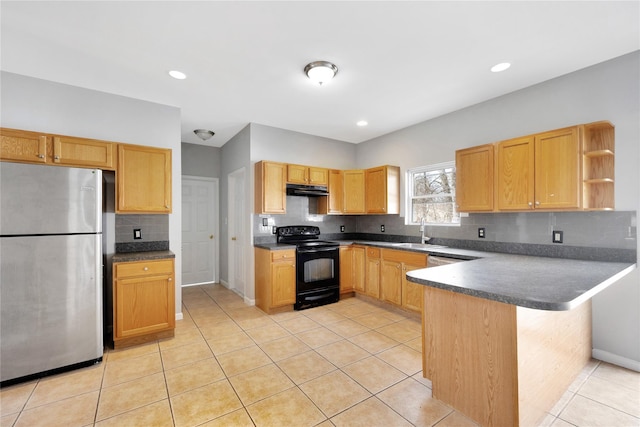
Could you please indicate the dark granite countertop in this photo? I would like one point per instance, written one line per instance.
(538, 282)
(527, 281)
(142, 256)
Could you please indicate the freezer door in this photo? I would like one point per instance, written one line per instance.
(50, 303)
(36, 199)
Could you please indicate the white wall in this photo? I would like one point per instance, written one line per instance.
(607, 91)
(40, 105)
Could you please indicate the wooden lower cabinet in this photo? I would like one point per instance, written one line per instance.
(275, 280)
(143, 301)
(346, 270)
(394, 286)
(358, 256)
(372, 272)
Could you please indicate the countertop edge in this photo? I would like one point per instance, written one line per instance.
(142, 256)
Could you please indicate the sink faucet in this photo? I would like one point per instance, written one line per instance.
(424, 239)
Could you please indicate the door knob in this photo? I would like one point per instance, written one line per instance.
(211, 236)
(233, 238)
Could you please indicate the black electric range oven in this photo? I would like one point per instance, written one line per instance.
(317, 265)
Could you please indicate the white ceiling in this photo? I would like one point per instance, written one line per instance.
(399, 63)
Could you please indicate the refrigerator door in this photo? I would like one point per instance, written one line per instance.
(50, 303)
(36, 199)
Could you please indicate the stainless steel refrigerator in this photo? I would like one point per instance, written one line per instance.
(50, 269)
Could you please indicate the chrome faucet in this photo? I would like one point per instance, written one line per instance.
(424, 239)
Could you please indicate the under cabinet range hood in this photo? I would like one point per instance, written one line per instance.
(306, 190)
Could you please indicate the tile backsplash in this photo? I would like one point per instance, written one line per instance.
(602, 229)
(152, 227)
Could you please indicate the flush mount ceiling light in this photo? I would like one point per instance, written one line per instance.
(204, 134)
(177, 74)
(320, 72)
(500, 67)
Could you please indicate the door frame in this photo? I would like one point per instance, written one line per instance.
(236, 218)
(216, 224)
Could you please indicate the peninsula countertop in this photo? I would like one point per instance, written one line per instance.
(527, 281)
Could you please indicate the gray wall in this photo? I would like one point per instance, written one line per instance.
(40, 105)
(200, 160)
(607, 91)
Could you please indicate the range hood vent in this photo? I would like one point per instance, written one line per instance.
(306, 190)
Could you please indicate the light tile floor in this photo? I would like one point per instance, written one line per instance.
(352, 363)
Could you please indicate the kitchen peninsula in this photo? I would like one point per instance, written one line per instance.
(505, 335)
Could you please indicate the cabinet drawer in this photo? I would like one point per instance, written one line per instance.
(409, 258)
(373, 252)
(286, 254)
(143, 268)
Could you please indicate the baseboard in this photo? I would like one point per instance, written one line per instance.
(614, 359)
(224, 283)
(179, 316)
(249, 301)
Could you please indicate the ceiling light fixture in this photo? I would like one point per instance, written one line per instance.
(204, 134)
(177, 74)
(320, 72)
(362, 123)
(500, 67)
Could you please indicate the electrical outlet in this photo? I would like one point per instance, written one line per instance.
(273, 230)
(137, 234)
(382, 228)
(556, 237)
(265, 222)
(481, 232)
(342, 228)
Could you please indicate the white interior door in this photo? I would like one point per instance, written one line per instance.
(199, 230)
(236, 223)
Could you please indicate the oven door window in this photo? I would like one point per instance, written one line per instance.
(318, 269)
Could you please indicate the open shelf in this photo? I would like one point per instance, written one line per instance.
(598, 167)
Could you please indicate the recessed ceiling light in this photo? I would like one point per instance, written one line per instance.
(177, 74)
(362, 123)
(500, 67)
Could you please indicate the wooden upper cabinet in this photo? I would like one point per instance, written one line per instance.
(71, 151)
(334, 202)
(143, 179)
(354, 191)
(34, 147)
(23, 146)
(558, 169)
(474, 178)
(270, 188)
(515, 174)
(299, 174)
(382, 190)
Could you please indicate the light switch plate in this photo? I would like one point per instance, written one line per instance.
(137, 234)
(556, 236)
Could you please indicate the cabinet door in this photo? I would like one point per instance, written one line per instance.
(359, 268)
(557, 171)
(515, 174)
(283, 282)
(411, 292)
(346, 269)
(474, 179)
(297, 174)
(69, 151)
(334, 202)
(143, 179)
(23, 146)
(372, 275)
(270, 187)
(144, 305)
(391, 282)
(376, 190)
(354, 191)
(318, 176)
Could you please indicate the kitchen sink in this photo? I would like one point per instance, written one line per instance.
(423, 246)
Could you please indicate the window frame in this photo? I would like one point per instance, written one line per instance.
(409, 185)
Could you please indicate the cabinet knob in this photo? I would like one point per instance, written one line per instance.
(169, 279)
(56, 157)
(146, 269)
(537, 203)
(530, 204)
(41, 156)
